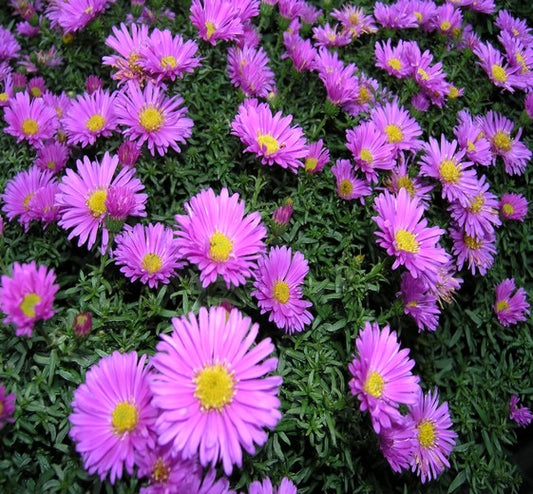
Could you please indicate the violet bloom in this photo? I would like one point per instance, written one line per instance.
(513, 206)
(348, 186)
(521, 415)
(317, 157)
(511, 305)
(419, 302)
(216, 20)
(248, 69)
(7, 407)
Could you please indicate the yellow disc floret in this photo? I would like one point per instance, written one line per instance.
(280, 291)
(27, 306)
(215, 387)
(151, 119)
(95, 123)
(30, 127)
(406, 241)
(96, 203)
(220, 247)
(266, 140)
(152, 263)
(374, 385)
(426, 434)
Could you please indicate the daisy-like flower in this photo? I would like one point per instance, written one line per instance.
(52, 156)
(435, 438)
(514, 26)
(82, 198)
(405, 235)
(395, 16)
(397, 444)
(7, 407)
(330, 36)
(477, 251)
(515, 154)
(521, 415)
(9, 47)
(448, 20)
(513, 206)
(36, 87)
(217, 237)
(300, 51)
(317, 157)
(366, 93)
(348, 186)
(354, 20)
(42, 206)
(89, 117)
(216, 20)
(381, 375)
(21, 190)
(71, 16)
(266, 487)
(471, 139)
(93, 83)
(419, 302)
(391, 59)
(270, 137)
(150, 116)
(167, 56)
(341, 84)
(149, 253)
(7, 91)
(212, 388)
(112, 418)
(445, 164)
(510, 308)
(32, 121)
(27, 296)
(370, 150)
(400, 129)
(278, 289)
(248, 69)
(283, 214)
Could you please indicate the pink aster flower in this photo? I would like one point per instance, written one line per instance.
(354, 20)
(392, 59)
(513, 206)
(330, 36)
(265, 487)
(448, 20)
(112, 418)
(397, 444)
(52, 156)
(381, 375)
(71, 16)
(42, 206)
(128, 153)
(82, 198)
(32, 121)
(278, 289)
(7, 407)
(348, 186)
(471, 139)
(217, 237)
(27, 296)
(300, 51)
(212, 388)
(445, 163)
(370, 150)
(515, 26)
(93, 83)
(400, 129)
(83, 323)
(398, 15)
(150, 116)
(270, 137)
(283, 214)
(510, 307)
(521, 415)
(216, 20)
(477, 251)
(341, 84)
(402, 177)
(515, 154)
(419, 302)
(7, 92)
(248, 69)
(167, 56)
(149, 253)
(9, 47)
(89, 117)
(317, 157)
(405, 235)
(36, 87)
(435, 437)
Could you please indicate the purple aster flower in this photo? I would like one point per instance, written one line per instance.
(395, 16)
(341, 83)
(52, 156)
(7, 407)
(27, 296)
(150, 116)
(521, 415)
(317, 157)
(93, 83)
(265, 487)
(36, 87)
(42, 206)
(299, 51)
(9, 47)
(515, 26)
(282, 215)
(112, 417)
(248, 69)
(510, 308)
(354, 20)
(149, 253)
(82, 198)
(212, 388)
(419, 302)
(435, 437)
(83, 323)
(269, 136)
(477, 251)
(513, 206)
(348, 186)
(381, 375)
(128, 153)
(217, 237)
(71, 16)
(392, 59)
(278, 289)
(397, 443)
(8, 90)
(330, 36)
(471, 139)
(216, 20)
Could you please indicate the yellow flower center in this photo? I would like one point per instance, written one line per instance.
(211, 29)
(449, 172)
(96, 203)
(160, 472)
(453, 92)
(89, 10)
(125, 418)
(502, 141)
(445, 26)
(470, 146)
(67, 38)
(426, 434)
(151, 119)
(220, 247)
(419, 17)
(4, 97)
(394, 63)
(422, 73)
(36, 92)
(354, 19)
(406, 241)
(310, 164)
(280, 292)
(366, 155)
(502, 305)
(406, 183)
(394, 133)
(168, 62)
(471, 242)
(215, 387)
(345, 188)
(456, 31)
(374, 385)
(266, 140)
(27, 306)
(477, 203)
(498, 73)
(30, 127)
(95, 123)
(413, 303)
(152, 263)
(26, 202)
(364, 95)
(508, 208)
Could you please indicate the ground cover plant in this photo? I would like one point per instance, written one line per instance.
(265, 246)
